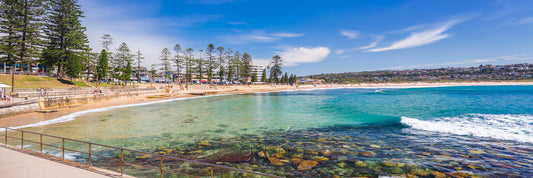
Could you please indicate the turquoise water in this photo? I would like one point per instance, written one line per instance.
(480, 130)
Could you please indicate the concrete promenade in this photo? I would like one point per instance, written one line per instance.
(15, 163)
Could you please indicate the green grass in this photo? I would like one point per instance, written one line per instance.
(29, 81)
(80, 83)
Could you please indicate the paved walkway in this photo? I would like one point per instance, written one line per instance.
(14, 164)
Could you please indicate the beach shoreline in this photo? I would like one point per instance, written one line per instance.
(34, 117)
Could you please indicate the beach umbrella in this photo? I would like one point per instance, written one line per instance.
(4, 86)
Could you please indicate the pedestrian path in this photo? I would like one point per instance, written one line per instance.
(14, 164)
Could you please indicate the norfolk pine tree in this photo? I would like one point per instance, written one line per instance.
(139, 61)
(188, 64)
(275, 69)
(247, 67)
(165, 62)
(178, 60)
(102, 66)
(9, 23)
(210, 62)
(200, 65)
(66, 35)
(221, 71)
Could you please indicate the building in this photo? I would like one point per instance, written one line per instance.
(143, 75)
(257, 70)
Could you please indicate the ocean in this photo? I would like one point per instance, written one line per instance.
(435, 131)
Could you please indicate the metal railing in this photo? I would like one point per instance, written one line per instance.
(160, 168)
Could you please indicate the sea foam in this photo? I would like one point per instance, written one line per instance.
(517, 127)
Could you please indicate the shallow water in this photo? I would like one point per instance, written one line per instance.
(480, 130)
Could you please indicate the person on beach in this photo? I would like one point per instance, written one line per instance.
(42, 92)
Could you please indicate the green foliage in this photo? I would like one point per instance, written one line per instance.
(221, 70)
(65, 33)
(254, 78)
(74, 66)
(275, 69)
(211, 64)
(230, 74)
(80, 83)
(165, 60)
(247, 65)
(102, 67)
(122, 56)
(126, 73)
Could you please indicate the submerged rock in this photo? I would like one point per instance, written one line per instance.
(326, 152)
(262, 154)
(229, 157)
(477, 151)
(296, 160)
(204, 144)
(368, 154)
(146, 156)
(306, 165)
(438, 174)
(275, 161)
(320, 158)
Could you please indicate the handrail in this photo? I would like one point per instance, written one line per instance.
(122, 161)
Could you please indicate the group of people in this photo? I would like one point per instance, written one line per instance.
(44, 92)
(96, 90)
(4, 96)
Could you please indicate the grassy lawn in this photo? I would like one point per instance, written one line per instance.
(28, 81)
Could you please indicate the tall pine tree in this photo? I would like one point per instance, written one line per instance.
(102, 67)
(247, 67)
(275, 69)
(66, 35)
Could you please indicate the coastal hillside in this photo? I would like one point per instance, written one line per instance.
(510, 72)
(28, 81)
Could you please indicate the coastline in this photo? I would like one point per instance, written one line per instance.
(34, 118)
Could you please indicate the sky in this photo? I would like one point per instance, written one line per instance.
(314, 37)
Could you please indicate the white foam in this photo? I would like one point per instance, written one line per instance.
(73, 116)
(517, 127)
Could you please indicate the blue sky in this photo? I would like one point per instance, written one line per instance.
(324, 36)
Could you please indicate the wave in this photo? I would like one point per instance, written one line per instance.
(516, 127)
(73, 116)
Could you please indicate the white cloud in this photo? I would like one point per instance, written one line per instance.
(351, 34)
(261, 38)
(373, 44)
(236, 23)
(296, 56)
(420, 38)
(263, 62)
(131, 24)
(287, 35)
(340, 51)
(258, 36)
(521, 21)
(471, 61)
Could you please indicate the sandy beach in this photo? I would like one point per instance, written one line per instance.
(35, 117)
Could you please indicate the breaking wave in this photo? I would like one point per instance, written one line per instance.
(517, 127)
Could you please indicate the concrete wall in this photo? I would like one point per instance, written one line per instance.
(61, 102)
(20, 109)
